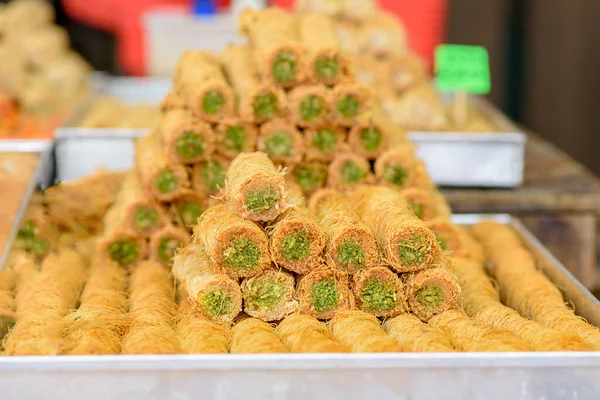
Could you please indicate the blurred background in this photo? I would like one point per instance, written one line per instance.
(543, 53)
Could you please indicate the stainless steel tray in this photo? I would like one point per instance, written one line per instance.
(80, 151)
(467, 159)
(489, 376)
(41, 177)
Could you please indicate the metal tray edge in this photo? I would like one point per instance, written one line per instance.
(44, 168)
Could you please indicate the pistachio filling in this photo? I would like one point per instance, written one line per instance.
(265, 105)
(412, 251)
(189, 212)
(395, 174)
(295, 246)
(265, 293)
(279, 144)
(379, 296)
(234, 138)
(351, 173)
(370, 138)
(217, 302)
(348, 106)
(212, 102)
(417, 208)
(145, 217)
(37, 245)
(6, 323)
(189, 145)
(166, 181)
(241, 253)
(326, 68)
(124, 252)
(311, 107)
(324, 295)
(28, 230)
(166, 248)
(310, 176)
(262, 200)
(284, 67)
(350, 254)
(213, 175)
(325, 140)
(430, 296)
(442, 242)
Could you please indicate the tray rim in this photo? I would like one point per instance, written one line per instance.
(517, 138)
(298, 361)
(69, 132)
(44, 148)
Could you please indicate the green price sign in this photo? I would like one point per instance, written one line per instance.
(461, 68)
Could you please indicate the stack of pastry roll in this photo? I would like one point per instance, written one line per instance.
(410, 248)
(229, 257)
(279, 53)
(258, 100)
(39, 72)
(201, 84)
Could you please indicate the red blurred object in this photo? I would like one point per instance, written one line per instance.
(425, 22)
(124, 19)
(223, 5)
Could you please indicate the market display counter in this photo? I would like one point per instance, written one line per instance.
(559, 202)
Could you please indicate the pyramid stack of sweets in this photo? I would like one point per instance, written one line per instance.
(293, 99)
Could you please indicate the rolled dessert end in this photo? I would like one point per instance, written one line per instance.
(144, 218)
(324, 142)
(348, 170)
(310, 176)
(169, 182)
(186, 140)
(269, 295)
(256, 188)
(235, 246)
(123, 247)
(165, 242)
(287, 66)
(296, 241)
(264, 103)
(235, 136)
(282, 141)
(208, 177)
(190, 207)
(308, 105)
(431, 292)
(323, 292)
(349, 101)
(395, 168)
(379, 291)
